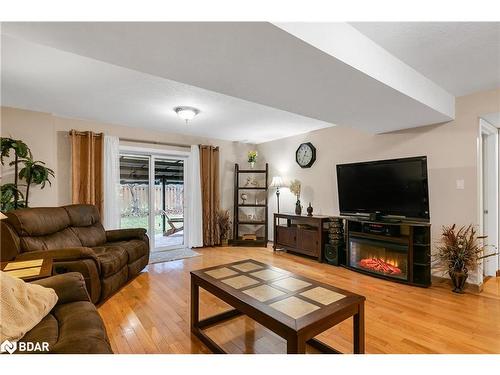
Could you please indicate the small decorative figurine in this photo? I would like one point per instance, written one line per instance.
(244, 197)
(309, 210)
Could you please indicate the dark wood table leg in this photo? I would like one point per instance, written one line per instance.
(195, 305)
(295, 345)
(321, 241)
(275, 233)
(359, 330)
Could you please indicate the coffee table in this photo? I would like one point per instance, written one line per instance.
(294, 307)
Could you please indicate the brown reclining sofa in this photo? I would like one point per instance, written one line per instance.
(75, 239)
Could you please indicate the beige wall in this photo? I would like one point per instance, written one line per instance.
(47, 136)
(450, 148)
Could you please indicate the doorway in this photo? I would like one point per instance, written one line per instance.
(152, 187)
(489, 191)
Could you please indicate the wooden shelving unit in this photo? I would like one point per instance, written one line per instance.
(241, 208)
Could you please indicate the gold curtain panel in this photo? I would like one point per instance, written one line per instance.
(87, 167)
(210, 195)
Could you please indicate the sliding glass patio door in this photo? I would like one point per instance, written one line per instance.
(168, 202)
(152, 197)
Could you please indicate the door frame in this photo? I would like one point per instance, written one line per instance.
(151, 153)
(490, 265)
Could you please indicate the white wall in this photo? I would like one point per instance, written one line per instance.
(47, 136)
(451, 149)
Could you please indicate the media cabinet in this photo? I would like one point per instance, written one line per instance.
(301, 234)
(393, 250)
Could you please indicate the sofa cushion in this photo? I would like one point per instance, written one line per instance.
(45, 331)
(81, 329)
(58, 240)
(93, 235)
(111, 258)
(134, 248)
(82, 215)
(38, 221)
(86, 224)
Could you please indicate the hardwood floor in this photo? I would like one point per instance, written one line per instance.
(151, 313)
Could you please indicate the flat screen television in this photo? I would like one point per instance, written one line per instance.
(392, 188)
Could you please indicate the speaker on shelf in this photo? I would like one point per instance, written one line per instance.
(334, 251)
(334, 254)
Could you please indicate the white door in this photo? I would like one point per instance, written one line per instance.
(168, 186)
(489, 169)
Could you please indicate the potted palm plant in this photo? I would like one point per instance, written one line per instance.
(26, 169)
(224, 223)
(459, 252)
(34, 172)
(12, 197)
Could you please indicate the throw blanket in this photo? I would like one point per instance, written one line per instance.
(22, 307)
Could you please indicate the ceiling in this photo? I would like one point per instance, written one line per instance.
(461, 57)
(45, 79)
(253, 81)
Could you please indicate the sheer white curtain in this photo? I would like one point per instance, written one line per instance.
(194, 217)
(111, 214)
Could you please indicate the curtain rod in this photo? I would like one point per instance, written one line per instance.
(77, 132)
(156, 143)
(134, 140)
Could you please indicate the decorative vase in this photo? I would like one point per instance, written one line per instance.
(458, 279)
(298, 208)
(252, 165)
(309, 210)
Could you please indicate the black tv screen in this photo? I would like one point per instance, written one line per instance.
(395, 187)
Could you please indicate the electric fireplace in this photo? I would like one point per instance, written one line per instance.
(383, 258)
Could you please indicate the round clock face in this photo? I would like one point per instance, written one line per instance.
(305, 155)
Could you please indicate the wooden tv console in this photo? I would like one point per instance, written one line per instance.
(302, 234)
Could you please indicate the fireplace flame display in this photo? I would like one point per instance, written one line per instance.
(380, 265)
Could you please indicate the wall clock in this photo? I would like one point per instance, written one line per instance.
(305, 156)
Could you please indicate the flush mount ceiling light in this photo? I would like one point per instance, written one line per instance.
(186, 113)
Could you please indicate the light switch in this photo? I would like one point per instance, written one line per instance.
(460, 184)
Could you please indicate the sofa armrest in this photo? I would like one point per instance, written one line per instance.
(125, 234)
(70, 253)
(62, 255)
(69, 287)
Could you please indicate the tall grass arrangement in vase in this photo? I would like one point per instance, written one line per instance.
(461, 250)
(224, 223)
(295, 189)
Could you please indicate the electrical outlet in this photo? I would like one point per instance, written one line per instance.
(460, 184)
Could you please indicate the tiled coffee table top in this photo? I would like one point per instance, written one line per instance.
(292, 295)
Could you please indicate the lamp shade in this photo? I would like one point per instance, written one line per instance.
(278, 182)
(2, 216)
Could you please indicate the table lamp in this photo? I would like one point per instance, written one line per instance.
(278, 182)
